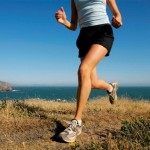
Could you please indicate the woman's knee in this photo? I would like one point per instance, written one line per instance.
(97, 84)
(94, 84)
(83, 70)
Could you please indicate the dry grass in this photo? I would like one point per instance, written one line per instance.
(35, 124)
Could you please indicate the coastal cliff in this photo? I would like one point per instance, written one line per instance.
(4, 86)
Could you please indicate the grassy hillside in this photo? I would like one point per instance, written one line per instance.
(35, 124)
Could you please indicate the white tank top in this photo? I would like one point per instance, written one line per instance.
(91, 12)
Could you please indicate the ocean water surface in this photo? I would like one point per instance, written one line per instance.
(69, 93)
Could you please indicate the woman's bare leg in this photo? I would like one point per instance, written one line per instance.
(98, 83)
(93, 57)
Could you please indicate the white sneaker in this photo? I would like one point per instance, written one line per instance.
(71, 132)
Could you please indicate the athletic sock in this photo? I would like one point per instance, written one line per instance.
(111, 89)
(79, 122)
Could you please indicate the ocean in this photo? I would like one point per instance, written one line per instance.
(69, 93)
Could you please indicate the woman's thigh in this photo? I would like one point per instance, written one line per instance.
(94, 56)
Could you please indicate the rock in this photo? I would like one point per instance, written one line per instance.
(4, 86)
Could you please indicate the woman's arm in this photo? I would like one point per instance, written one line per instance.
(117, 19)
(61, 17)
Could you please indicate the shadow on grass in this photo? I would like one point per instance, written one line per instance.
(59, 128)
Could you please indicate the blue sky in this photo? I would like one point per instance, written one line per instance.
(35, 49)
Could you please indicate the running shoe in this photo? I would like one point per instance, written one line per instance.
(113, 94)
(71, 132)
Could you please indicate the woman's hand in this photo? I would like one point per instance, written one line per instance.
(60, 15)
(116, 21)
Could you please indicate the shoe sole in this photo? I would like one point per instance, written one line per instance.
(115, 86)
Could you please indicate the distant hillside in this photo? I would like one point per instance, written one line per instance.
(4, 86)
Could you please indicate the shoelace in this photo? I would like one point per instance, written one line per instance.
(72, 126)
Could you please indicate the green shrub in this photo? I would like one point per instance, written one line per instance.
(3, 104)
(137, 131)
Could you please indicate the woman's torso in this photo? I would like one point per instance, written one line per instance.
(91, 12)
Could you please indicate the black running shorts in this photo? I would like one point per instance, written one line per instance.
(99, 34)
